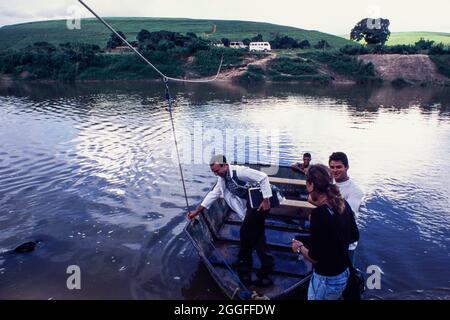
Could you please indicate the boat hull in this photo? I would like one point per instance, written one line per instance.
(215, 236)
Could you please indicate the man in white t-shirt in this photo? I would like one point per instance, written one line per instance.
(338, 163)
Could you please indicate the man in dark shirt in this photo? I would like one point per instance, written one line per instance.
(302, 167)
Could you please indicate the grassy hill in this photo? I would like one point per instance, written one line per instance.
(413, 37)
(93, 32)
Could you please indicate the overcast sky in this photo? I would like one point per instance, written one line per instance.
(331, 16)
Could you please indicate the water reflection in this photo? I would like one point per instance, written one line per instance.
(88, 169)
(368, 98)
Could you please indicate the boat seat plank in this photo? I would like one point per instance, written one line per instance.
(297, 204)
(287, 223)
(287, 181)
(286, 263)
(280, 288)
(275, 238)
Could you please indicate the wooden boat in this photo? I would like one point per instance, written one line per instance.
(215, 235)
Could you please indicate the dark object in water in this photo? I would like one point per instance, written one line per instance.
(215, 236)
(26, 247)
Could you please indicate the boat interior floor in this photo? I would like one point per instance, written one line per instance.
(280, 230)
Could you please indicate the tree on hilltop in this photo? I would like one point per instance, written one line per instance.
(114, 41)
(373, 31)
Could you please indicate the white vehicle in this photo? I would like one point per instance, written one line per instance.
(259, 46)
(237, 45)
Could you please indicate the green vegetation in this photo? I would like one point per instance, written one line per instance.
(306, 67)
(190, 54)
(285, 69)
(413, 37)
(285, 42)
(345, 65)
(45, 61)
(322, 44)
(170, 52)
(443, 64)
(373, 31)
(114, 41)
(175, 54)
(206, 62)
(422, 46)
(254, 74)
(295, 67)
(409, 38)
(93, 32)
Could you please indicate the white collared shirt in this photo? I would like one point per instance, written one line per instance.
(237, 204)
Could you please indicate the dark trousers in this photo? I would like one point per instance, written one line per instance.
(252, 237)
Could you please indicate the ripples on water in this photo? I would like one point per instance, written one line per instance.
(88, 170)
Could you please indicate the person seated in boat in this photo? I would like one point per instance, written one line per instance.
(302, 167)
(252, 232)
(333, 228)
(338, 163)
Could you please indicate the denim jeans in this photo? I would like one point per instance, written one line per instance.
(327, 288)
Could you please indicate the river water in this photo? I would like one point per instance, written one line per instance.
(88, 170)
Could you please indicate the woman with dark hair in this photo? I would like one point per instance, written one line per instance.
(333, 228)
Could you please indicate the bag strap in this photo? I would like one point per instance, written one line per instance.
(350, 264)
(237, 181)
(244, 185)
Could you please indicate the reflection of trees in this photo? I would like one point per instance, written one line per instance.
(400, 98)
(38, 91)
(361, 100)
(442, 98)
